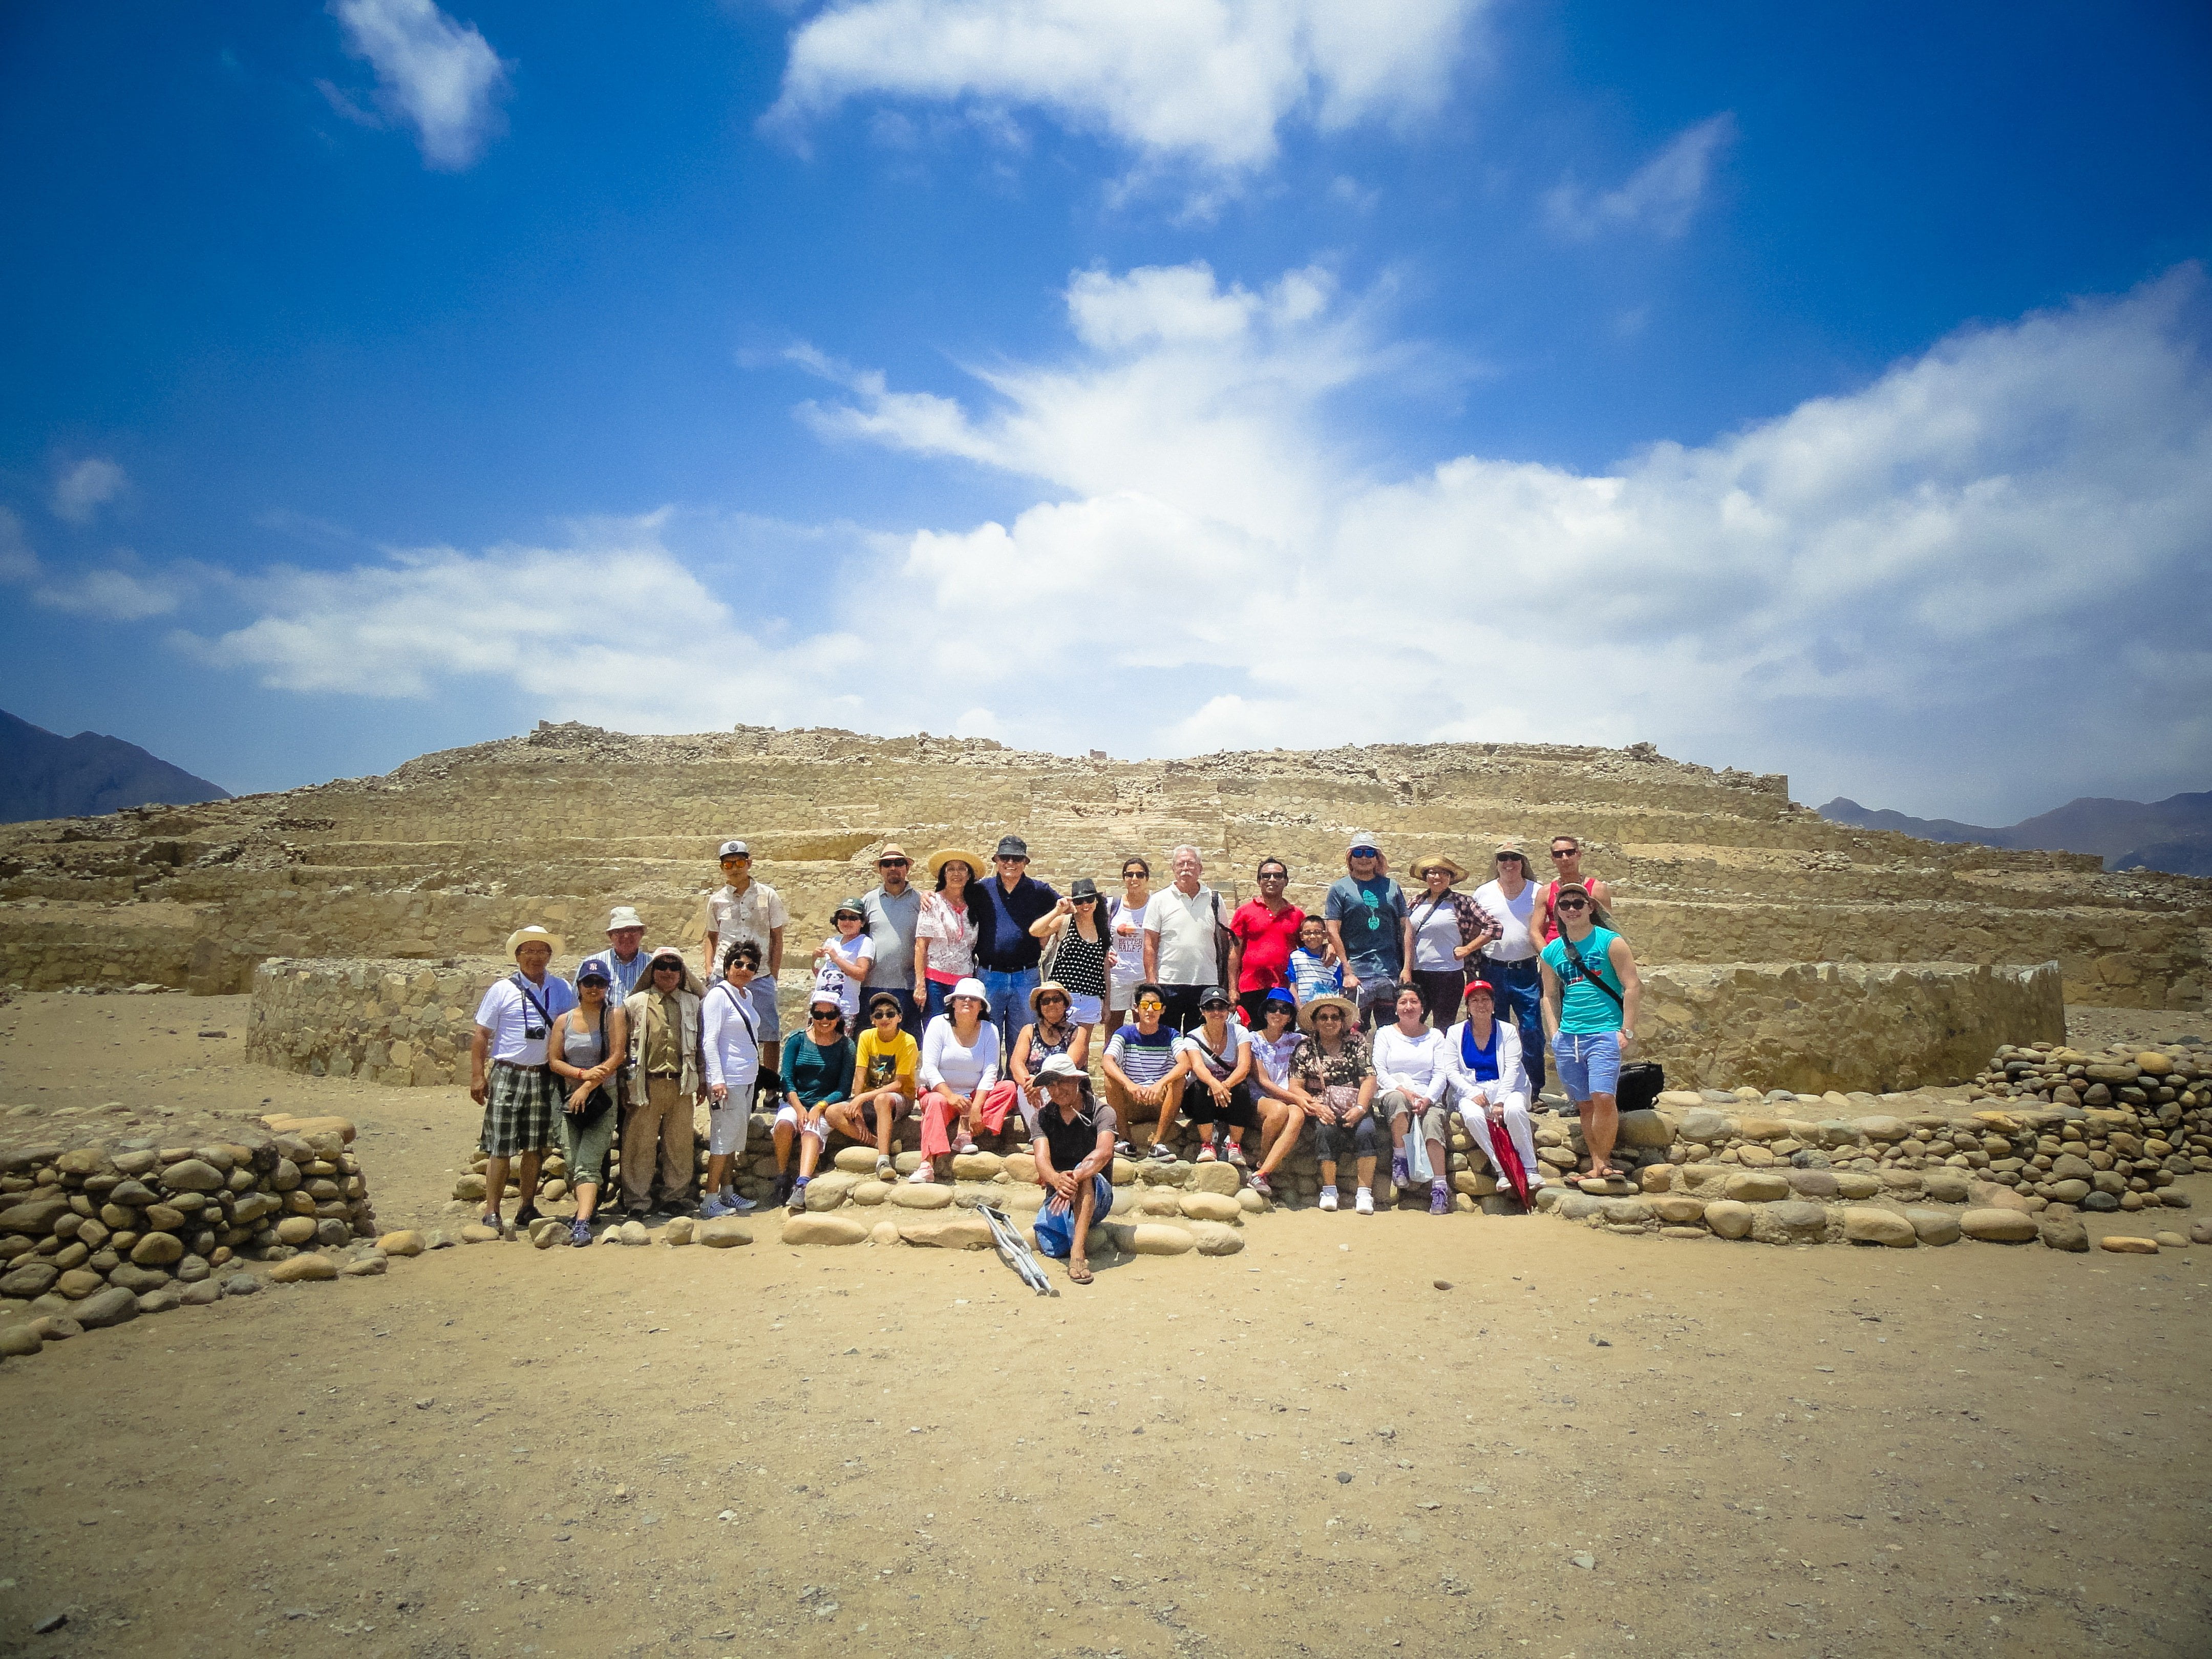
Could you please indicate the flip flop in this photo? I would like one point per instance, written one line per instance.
(1078, 1275)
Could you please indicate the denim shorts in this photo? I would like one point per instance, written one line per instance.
(1587, 1063)
(1055, 1228)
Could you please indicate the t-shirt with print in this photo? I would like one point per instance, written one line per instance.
(1311, 976)
(1317, 1070)
(1128, 921)
(1272, 1056)
(884, 1064)
(1143, 1060)
(510, 1017)
(950, 935)
(1268, 937)
(1368, 912)
(1585, 1008)
(831, 980)
(1192, 1041)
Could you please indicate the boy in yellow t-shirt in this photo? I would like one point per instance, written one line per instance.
(883, 1082)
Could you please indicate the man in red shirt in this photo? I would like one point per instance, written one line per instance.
(1261, 936)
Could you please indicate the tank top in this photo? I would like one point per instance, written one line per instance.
(1081, 964)
(584, 1048)
(1040, 1050)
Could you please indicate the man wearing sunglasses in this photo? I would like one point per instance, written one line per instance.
(1591, 996)
(893, 907)
(1006, 953)
(1566, 867)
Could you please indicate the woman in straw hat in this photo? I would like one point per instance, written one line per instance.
(1444, 928)
(1335, 1082)
(945, 929)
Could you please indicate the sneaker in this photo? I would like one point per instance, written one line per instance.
(1328, 1198)
(1162, 1153)
(1439, 1199)
(796, 1200)
(1399, 1175)
(1206, 1154)
(712, 1210)
(1364, 1201)
(922, 1175)
(580, 1233)
(738, 1203)
(525, 1216)
(885, 1169)
(783, 1191)
(1237, 1155)
(1259, 1184)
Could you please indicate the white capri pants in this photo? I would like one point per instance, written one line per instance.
(814, 1121)
(1476, 1116)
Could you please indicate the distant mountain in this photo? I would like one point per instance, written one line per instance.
(43, 775)
(2173, 835)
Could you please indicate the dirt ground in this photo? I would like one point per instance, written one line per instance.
(1473, 1435)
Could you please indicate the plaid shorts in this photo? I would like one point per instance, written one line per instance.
(520, 1108)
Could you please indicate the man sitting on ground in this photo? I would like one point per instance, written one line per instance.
(1074, 1144)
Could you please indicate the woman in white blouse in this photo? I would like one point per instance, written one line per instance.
(1409, 1083)
(1489, 1085)
(960, 1079)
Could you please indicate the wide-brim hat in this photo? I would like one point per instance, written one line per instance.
(977, 865)
(692, 982)
(1512, 849)
(624, 915)
(1082, 887)
(971, 987)
(1438, 860)
(1326, 999)
(533, 934)
(1062, 1067)
(1036, 997)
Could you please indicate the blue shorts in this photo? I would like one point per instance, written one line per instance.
(1587, 1063)
(1056, 1223)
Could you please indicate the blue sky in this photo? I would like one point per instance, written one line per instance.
(1820, 393)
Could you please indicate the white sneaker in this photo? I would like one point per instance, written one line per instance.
(1328, 1198)
(922, 1176)
(1364, 1201)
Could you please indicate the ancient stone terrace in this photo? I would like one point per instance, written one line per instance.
(442, 856)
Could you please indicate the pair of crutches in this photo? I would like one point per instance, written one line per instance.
(1014, 1250)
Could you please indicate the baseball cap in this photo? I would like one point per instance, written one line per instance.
(734, 850)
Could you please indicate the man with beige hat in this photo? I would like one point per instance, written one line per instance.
(508, 1073)
(892, 907)
(625, 956)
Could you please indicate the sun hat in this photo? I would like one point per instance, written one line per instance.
(533, 935)
(624, 915)
(674, 958)
(849, 907)
(1279, 994)
(891, 849)
(1059, 1068)
(1436, 860)
(734, 850)
(1326, 999)
(971, 987)
(945, 855)
(1037, 996)
(1012, 847)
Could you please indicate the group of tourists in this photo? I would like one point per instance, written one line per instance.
(990, 994)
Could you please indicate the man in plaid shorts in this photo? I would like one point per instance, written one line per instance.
(508, 1073)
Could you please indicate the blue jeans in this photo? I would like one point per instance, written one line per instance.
(1521, 996)
(1010, 1004)
(1589, 1063)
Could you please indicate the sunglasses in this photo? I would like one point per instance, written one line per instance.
(589, 984)
(1048, 1002)
(1007, 857)
(1328, 1013)
(893, 864)
(666, 968)
(1088, 898)
(1274, 875)
(1564, 852)
(882, 1013)
(1133, 871)
(848, 915)
(1150, 1005)
(1365, 853)
(819, 1019)
(1572, 904)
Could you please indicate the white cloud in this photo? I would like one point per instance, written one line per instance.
(439, 76)
(81, 490)
(1976, 579)
(1207, 81)
(1660, 196)
(18, 563)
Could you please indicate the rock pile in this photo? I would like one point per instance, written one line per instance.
(95, 1235)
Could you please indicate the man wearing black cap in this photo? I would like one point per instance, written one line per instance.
(1005, 952)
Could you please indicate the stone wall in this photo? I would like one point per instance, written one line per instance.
(97, 1234)
(1817, 1026)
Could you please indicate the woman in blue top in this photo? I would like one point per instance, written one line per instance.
(1591, 994)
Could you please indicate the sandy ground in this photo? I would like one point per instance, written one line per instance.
(1586, 1444)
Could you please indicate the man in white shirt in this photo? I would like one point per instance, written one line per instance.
(1509, 962)
(508, 1073)
(746, 909)
(1183, 927)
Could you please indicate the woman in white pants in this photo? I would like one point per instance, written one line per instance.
(1489, 1085)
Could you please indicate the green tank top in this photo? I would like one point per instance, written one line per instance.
(1583, 1008)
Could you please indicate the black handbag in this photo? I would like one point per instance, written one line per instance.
(1641, 1082)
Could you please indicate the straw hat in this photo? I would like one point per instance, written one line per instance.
(1037, 995)
(978, 866)
(1327, 999)
(1439, 862)
(533, 934)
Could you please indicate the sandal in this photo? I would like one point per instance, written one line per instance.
(1079, 1274)
(490, 1218)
